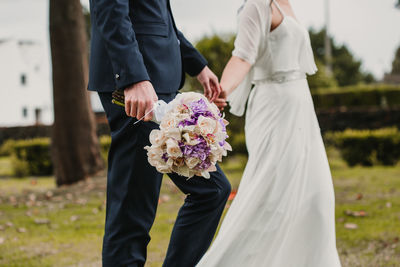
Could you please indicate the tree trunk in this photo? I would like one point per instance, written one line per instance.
(75, 146)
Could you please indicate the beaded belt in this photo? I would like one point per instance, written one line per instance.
(282, 77)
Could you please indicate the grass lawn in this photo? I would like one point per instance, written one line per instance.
(41, 225)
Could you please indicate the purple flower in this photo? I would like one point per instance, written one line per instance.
(204, 165)
(188, 122)
(165, 157)
(221, 121)
(200, 150)
(198, 108)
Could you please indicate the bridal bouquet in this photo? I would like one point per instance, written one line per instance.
(191, 139)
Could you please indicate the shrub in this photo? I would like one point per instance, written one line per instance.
(32, 157)
(367, 147)
(357, 96)
(238, 143)
(6, 148)
(337, 119)
(20, 168)
(24, 132)
(31, 132)
(105, 143)
(321, 79)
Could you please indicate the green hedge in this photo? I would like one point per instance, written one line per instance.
(32, 157)
(367, 147)
(357, 96)
(39, 131)
(335, 120)
(6, 148)
(357, 147)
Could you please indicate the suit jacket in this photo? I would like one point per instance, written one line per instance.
(137, 40)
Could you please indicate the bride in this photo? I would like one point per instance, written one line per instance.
(283, 213)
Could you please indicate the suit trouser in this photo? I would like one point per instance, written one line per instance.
(133, 188)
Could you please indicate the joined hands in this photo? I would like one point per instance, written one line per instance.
(220, 101)
(140, 97)
(212, 89)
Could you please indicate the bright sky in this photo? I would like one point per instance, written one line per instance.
(369, 27)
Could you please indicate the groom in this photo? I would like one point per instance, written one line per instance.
(136, 47)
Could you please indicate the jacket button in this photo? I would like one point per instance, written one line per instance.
(117, 76)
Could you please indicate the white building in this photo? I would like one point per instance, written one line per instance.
(26, 84)
(25, 91)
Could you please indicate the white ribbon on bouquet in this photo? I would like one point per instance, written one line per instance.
(160, 108)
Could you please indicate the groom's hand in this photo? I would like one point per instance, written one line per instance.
(210, 83)
(139, 100)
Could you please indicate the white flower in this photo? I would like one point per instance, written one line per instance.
(190, 141)
(212, 168)
(154, 155)
(173, 148)
(216, 155)
(168, 122)
(162, 168)
(206, 125)
(218, 128)
(227, 146)
(188, 128)
(206, 173)
(157, 138)
(192, 162)
(173, 133)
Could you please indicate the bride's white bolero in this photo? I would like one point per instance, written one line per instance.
(270, 53)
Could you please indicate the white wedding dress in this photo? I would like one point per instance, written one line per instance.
(284, 212)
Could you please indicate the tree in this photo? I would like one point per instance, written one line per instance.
(396, 63)
(217, 49)
(321, 79)
(346, 69)
(75, 147)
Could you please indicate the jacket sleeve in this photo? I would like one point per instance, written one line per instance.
(193, 61)
(114, 24)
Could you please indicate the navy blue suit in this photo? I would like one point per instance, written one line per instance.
(137, 40)
(132, 41)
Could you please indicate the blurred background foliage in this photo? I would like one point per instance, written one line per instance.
(396, 63)
(347, 97)
(346, 68)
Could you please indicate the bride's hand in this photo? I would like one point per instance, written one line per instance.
(220, 101)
